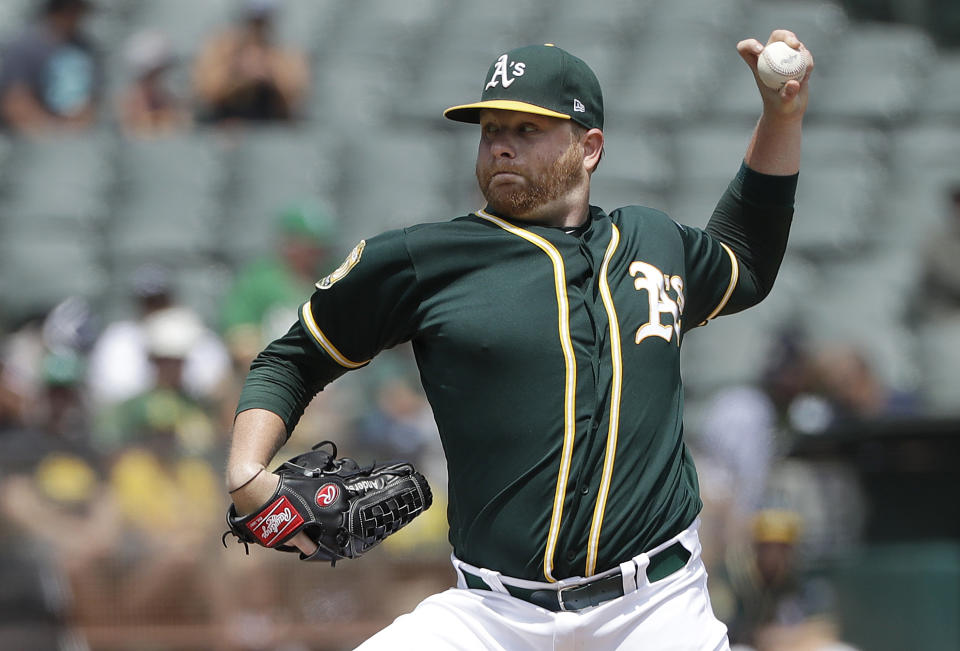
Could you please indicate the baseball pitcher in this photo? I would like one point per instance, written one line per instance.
(548, 334)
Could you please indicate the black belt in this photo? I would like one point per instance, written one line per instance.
(592, 593)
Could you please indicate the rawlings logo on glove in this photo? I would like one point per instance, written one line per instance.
(346, 510)
(274, 521)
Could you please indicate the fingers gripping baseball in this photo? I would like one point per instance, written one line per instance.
(781, 69)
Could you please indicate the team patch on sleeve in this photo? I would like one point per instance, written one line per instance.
(352, 259)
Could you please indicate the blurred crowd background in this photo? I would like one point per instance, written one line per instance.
(176, 174)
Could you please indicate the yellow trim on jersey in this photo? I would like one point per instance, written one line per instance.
(734, 277)
(613, 429)
(325, 343)
(570, 385)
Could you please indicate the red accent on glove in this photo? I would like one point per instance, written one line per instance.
(275, 522)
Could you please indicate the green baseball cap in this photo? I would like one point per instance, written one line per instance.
(306, 219)
(541, 79)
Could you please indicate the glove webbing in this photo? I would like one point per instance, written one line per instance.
(384, 518)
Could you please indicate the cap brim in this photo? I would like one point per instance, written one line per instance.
(471, 112)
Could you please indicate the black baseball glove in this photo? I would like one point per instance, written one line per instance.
(345, 509)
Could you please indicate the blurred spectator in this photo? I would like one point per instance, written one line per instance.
(762, 595)
(11, 407)
(22, 352)
(398, 425)
(739, 433)
(940, 284)
(70, 329)
(170, 506)
(745, 431)
(734, 453)
(119, 363)
(50, 483)
(786, 377)
(147, 107)
(51, 77)
(58, 423)
(242, 74)
(267, 294)
(265, 298)
(853, 392)
(165, 411)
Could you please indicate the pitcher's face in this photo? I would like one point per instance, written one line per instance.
(527, 162)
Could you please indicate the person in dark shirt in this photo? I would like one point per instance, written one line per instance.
(51, 76)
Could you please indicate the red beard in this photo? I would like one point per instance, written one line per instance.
(520, 198)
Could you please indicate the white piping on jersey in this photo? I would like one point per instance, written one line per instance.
(734, 277)
(570, 386)
(615, 392)
(325, 343)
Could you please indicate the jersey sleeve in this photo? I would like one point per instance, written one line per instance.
(368, 304)
(712, 276)
(286, 376)
(742, 246)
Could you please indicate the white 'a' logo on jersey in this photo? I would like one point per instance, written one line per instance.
(502, 70)
(658, 286)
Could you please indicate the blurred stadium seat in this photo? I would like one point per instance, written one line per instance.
(45, 261)
(924, 165)
(706, 153)
(392, 180)
(642, 159)
(726, 352)
(621, 21)
(306, 24)
(273, 167)
(941, 91)
(674, 87)
(939, 359)
(836, 210)
(863, 300)
(69, 178)
(171, 195)
(693, 16)
(187, 23)
(838, 145)
(874, 74)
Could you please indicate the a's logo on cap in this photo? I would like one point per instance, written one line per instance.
(578, 106)
(502, 70)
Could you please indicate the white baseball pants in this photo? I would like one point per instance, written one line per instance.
(672, 614)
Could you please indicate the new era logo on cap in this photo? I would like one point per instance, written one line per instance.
(540, 79)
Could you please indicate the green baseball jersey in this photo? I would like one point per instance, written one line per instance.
(552, 364)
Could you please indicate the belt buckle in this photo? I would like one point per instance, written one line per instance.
(612, 572)
(563, 606)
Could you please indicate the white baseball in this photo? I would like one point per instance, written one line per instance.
(779, 63)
